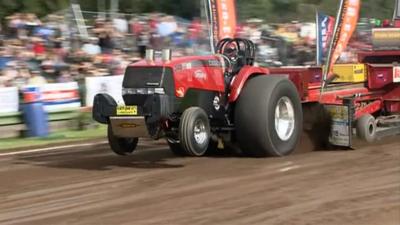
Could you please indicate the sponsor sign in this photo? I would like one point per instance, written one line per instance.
(223, 14)
(57, 96)
(386, 38)
(346, 23)
(396, 74)
(111, 85)
(325, 27)
(9, 100)
(341, 129)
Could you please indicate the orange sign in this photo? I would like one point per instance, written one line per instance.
(226, 18)
(346, 25)
(223, 14)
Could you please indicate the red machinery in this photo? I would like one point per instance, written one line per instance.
(368, 103)
(372, 103)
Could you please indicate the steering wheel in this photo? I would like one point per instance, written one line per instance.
(226, 62)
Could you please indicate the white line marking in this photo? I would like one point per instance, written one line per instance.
(51, 148)
(286, 169)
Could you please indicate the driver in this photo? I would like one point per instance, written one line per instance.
(231, 51)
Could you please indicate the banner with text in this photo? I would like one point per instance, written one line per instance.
(346, 23)
(325, 26)
(223, 15)
(60, 96)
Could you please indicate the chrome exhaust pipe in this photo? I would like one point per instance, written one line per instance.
(166, 55)
(150, 56)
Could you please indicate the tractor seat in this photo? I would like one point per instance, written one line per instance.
(238, 64)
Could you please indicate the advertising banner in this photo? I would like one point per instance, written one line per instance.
(60, 96)
(111, 85)
(346, 23)
(9, 100)
(325, 27)
(223, 18)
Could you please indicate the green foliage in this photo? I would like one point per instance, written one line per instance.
(304, 10)
(269, 10)
(39, 7)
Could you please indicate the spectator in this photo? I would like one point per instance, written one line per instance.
(21, 78)
(38, 47)
(142, 43)
(65, 76)
(105, 42)
(36, 78)
(91, 47)
(52, 51)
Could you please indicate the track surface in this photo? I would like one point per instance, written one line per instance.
(91, 186)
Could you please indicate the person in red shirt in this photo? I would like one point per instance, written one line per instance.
(38, 47)
(136, 27)
(195, 29)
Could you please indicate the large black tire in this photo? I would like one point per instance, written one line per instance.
(194, 120)
(255, 117)
(317, 125)
(121, 146)
(366, 128)
(176, 148)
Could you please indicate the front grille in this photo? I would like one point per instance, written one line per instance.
(135, 99)
(145, 77)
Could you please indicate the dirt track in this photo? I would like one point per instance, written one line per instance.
(92, 186)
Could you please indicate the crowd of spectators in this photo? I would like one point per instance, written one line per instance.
(33, 52)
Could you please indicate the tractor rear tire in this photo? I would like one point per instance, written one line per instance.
(366, 128)
(121, 146)
(194, 131)
(268, 117)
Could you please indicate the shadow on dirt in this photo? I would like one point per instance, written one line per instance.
(101, 158)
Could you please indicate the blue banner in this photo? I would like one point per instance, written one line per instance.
(325, 27)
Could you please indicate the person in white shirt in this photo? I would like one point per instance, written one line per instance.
(36, 78)
(91, 47)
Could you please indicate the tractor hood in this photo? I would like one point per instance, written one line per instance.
(177, 75)
(210, 60)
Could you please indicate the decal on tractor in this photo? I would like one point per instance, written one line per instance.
(200, 75)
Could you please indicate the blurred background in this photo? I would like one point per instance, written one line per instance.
(74, 49)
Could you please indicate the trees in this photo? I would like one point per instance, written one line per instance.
(269, 10)
(39, 7)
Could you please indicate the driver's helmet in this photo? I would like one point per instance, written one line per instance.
(231, 51)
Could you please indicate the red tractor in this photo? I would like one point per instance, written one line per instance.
(201, 103)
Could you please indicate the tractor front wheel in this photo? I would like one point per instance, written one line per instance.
(176, 148)
(194, 131)
(121, 146)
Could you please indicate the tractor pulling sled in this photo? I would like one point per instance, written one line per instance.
(200, 104)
